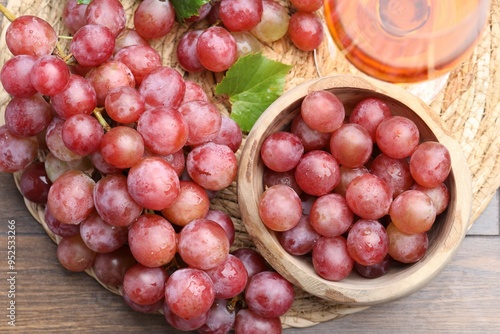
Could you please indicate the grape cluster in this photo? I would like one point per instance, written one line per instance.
(126, 154)
(356, 190)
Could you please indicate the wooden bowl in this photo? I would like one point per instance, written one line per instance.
(444, 238)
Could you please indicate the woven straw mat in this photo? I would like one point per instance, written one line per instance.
(467, 100)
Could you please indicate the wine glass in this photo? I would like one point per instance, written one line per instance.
(406, 41)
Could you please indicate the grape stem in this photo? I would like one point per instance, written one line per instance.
(98, 114)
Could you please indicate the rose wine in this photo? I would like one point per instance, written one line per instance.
(406, 40)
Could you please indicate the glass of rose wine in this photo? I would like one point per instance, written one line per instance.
(406, 41)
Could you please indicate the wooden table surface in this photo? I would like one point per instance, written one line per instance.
(464, 298)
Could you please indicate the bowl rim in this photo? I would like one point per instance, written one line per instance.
(354, 292)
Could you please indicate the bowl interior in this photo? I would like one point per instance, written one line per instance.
(445, 236)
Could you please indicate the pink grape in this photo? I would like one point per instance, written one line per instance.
(194, 92)
(216, 49)
(74, 255)
(368, 196)
(162, 87)
(317, 173)
(30, 35)
(367, 242)
(186, 51)
(229, 134)
(153, 183)
(16, 76)
(73, 15)
(191, 203)
(240, 15)
(281, 151)
(368, 113)
(230, 278)
(145, 285)
(201, 132)
(58, 228)
(253, 261)
(406, 248)
(92, 45)
(203, 244)
(78, 97)
(113, 202)
(246, 43)
(49, 75)
(322, 111)
(107, 76)
(269, 294)
(110, 268)
(164, 130)
(128, 37)
(430, 164)
(100, 236)
(330, 215)
(346, 176)
(311, 139)
(124, 104)
(395, 172)
(152, 240)
(70, 197)
(330, 258)
(154, 18)
(351, 145)
(189, 293)
(34, 184)
(307, 5)
(183, 324)
(212, 166)
(248, 322)
(440, 196)
(224, 220)
(412, 212)
(300, 239)
(280, 208)
(108, 13)
(140, 59)
(122, 147)
(220, 320)
(274, 22)
(305, 31)
(55, 143)
(82, 134)
(397, 137)
(27, 116)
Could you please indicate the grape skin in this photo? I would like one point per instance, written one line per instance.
(140, 59)
(78, 97)
(34, 184)
(317, 173)
(216, 49)
(330, 258)
(305, 31)
(240, 15)
(107, 76)
(92, 45)
(280, 208)
(154, 18)
(367, 242)
(101, 237)
(145, 285)
(27, 116)
(16, 76)
(16, 152)
(74, 255)
(162, 87)
(30, 35)
(108, 13)
(110, 268)
(122, 147)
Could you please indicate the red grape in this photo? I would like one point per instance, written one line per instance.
(430, 164)
(30, 35)
(268, 294)
(317, 173)
(145, 285)
(74, 255)
(368, 196)
(413, 211)
(397, 136)
(27, 116)
(406, 248)
(280, 208)
(100, 236)
(330, 258)
(240, 15)
(82, 134)
(108, 13)
(322, 111)
(122, 147)
(367, 242)
(281, 151)
(92, 45)
(154, 18)
(330, 215)
(351, 145)
(216, 49)
(305, 31)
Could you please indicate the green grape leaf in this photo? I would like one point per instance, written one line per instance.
(84, 2)
(185, 9)
(252, 84)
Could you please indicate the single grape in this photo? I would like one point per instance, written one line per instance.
(268, 294)
(78, 97)
(34, 184)
(307, 5)
(189, 293)
(203, 244)
(212, 166)
(246, 43)
(412, 212)
(82, 134)
(110, 268)
(124, 104)
(128, 37)
(58, 228)
(273, 24)
(367, 242)
(194, 92)
(183, 324)
(220, 320)
(311, 139)
(395, 172)
(305, 31)
(27, 116)
(230, 278)
(229, 134)
(300, 239)
(74, 255)
(430, 164)
(16, 152)
(351, 145)
(346, 176)
(122, 147)
(49, 75)
(16, 76)
(186, 51)
(145, 285)
(368, 196)
(92, 45)
(152, 240)
(108, 13)
(216, 49)
(330, 258)
(100, 236)
(140, 59)
(253, 261)
(240, 15)
(153, 183)
(248, 322)
(322, 111)
(317, 173)
(70, 197)
(30, 35)
(270, 178)
(330, 215)
(162, 87)
(280, 208)
(56, 167)
(440, 196)
(406, 248)
(107, 76)
(374, 270)
(224, 220)
(201, 132)
(55, 143)
(191, 203)
(154, 18)
(281, 151)
(368, 113)
(164, 130)
(73, 15)
(397, 137)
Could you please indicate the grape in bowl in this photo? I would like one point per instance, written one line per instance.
(444, 236)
